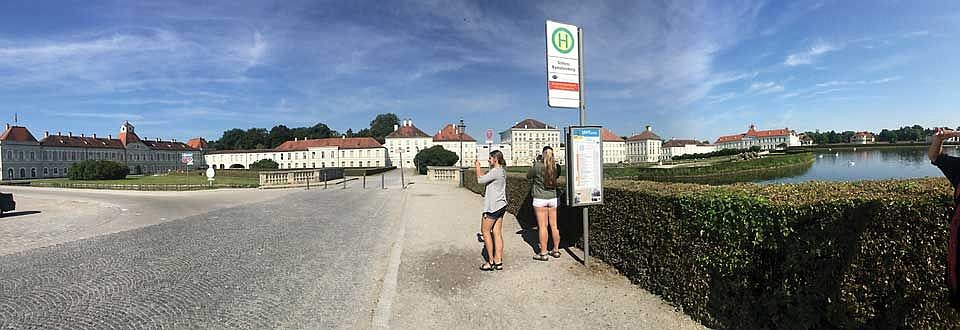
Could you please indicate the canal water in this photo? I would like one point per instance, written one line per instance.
(866, 164)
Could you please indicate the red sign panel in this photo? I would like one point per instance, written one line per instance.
(564, 86)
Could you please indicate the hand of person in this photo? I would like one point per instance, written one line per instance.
(942, 134)
(476, 163)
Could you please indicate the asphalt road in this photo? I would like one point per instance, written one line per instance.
(301, 259)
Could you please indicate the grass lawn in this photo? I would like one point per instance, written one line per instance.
(158, 180)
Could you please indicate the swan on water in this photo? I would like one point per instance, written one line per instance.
(852, 163)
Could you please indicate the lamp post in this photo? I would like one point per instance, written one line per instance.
(460, 127)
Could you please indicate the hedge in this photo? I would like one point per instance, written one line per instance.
(97, 170)
(716, 168)
(797, 256)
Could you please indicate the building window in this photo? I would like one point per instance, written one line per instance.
(55, 171)
(45, 172)
(21, 155)
(23, 173)
(10, 173)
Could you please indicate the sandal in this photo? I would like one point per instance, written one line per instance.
(487, 267)
(498, 266)
(555, 254)
(541, 257)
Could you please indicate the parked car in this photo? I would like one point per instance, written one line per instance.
(7, 203)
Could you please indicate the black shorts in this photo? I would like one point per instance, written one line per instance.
(495, 215)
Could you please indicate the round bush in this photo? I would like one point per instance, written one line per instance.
(434, 156)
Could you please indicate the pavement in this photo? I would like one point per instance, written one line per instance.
(292, 259)
(440, 286)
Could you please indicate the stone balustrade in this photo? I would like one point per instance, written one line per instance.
(444, 174)
(297, 178)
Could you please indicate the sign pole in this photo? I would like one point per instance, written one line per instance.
(583, 120)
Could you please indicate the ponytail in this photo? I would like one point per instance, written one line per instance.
(549, 169)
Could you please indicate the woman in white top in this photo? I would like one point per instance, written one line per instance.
(494, 207)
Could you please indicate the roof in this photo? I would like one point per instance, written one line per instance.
(246, 151)
(645, 135)
(342, 143)
(129, 137)
(608, 136)
(197, 143)
(753, 132)
(863, 134)
(17, 134)
(449, 134)
(81, 142)
(680, 143)
(532, 124)
(168, 145)
(407, 132)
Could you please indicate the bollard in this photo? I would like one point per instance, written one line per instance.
(308, 183)
(364, 179)
(382, 186)
(344, 182)
(324, 179)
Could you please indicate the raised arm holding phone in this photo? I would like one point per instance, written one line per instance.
(950, 166)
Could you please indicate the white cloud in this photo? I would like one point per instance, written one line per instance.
(760, 88)
(858, 82)
(809, 55)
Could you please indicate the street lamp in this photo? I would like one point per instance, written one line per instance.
(460, 128)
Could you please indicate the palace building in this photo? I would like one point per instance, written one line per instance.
(767, 140)
(644, 147)
(307, 154)
(22, 156)
(527, 139)
(450, 138)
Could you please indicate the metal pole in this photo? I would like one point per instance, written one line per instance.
(583, 120)
(364, 179)
(324, 179)
(403, 184)
(382, 183)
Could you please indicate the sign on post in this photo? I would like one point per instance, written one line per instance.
(563, 65)
(584, 166)
(489, 136)
(186, 158)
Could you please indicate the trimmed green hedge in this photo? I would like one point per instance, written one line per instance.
(97, 170)
(717, 168)
(798, 256)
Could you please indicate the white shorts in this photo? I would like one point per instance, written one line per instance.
(551, 203)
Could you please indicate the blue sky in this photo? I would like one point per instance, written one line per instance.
(694, 69)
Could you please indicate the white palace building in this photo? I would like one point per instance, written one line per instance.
(22, 156)
(307, 154)
(767, 140)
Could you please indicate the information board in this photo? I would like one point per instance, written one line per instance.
(584, 166)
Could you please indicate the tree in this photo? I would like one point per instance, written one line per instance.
(264, 164)
(278, 135)
(382, 125)
(434, 156)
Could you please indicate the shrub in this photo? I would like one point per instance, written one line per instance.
(797, 256)
(97, 170)
(264, 164)
(434, 156)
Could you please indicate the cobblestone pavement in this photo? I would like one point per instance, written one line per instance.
(312, 259)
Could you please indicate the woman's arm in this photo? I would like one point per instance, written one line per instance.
(936, 147)
(480, 175)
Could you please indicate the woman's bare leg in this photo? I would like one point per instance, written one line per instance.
(542, 220)
(498, 241)
(552, 214)
(485, 227)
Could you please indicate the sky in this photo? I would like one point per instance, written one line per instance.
(691, 69)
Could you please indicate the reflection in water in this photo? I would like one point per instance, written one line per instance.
(871, 164)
